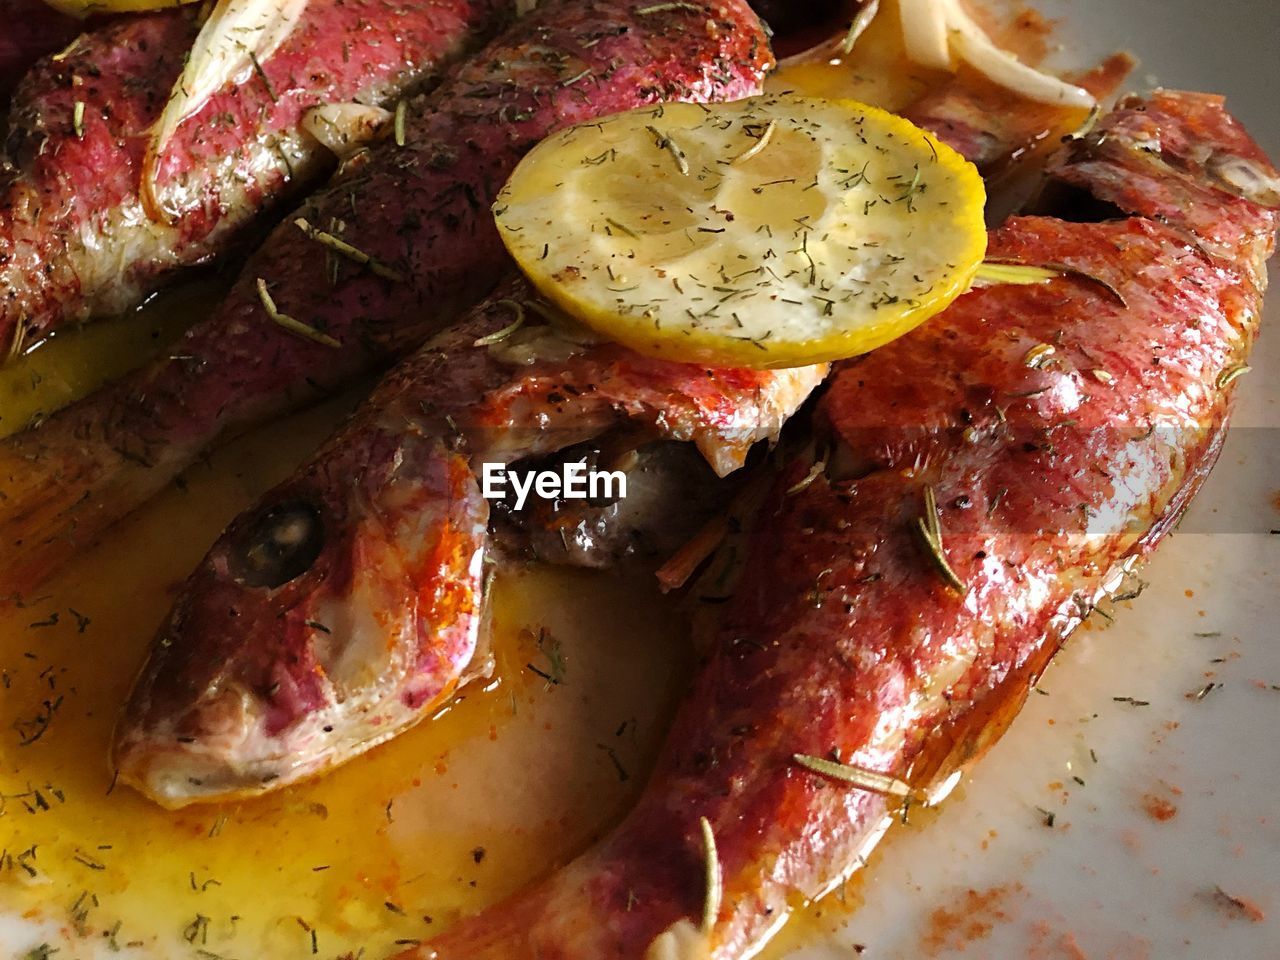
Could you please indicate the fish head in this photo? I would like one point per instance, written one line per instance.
(336, 613)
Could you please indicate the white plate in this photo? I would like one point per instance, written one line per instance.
(984, 876)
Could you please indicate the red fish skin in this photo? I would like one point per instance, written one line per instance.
(251, 685)
(75, 240)
(422, 208)
(1185, 169)
(842, 639)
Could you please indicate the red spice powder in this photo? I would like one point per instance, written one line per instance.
(973, 917)
(1158, 808)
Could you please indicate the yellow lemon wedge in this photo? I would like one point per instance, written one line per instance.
(775, 231)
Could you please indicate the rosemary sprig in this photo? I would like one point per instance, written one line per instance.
(815, 471)
(870, 780)
(622, 228)
(552, 650)
(859, 25)
(288, 322)
(1012, 272)
(930, 531)
(340, 246)
(911, 190)
(1016, 274)
(761, 142)
(665, 142)
(499, 335)
(398, 124)
(77, 119)
(1038, 357)
(262, 75)
(197, 929)
(1232, 374)
(68, 50)
(19, 342)
(665, 7)
(714, 881)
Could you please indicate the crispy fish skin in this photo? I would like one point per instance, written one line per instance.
(420, 210)
(346, 604)
(844, 638)
(75, 240)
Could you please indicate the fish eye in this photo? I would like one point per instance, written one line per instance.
(278, 545)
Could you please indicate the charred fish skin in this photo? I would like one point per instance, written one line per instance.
(418, 212)
(866, 631)
(75, 239)
(347, 604)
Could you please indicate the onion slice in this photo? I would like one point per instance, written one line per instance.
(1000, 66)
(924, 32)
(932, 30)
(236, 39)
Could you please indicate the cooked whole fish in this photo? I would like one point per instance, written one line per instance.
(180, 740)
(75, 240)
(980, 493)
(418, 246)
(346, 605)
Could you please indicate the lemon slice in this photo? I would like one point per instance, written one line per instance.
(770, 232)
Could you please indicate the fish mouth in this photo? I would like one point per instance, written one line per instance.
(175, 775)
(218, 750)
(226, 747)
